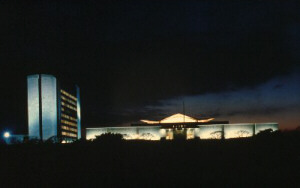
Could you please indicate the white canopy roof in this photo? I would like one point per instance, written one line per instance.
(177, 118)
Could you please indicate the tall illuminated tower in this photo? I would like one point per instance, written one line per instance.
(53, 112)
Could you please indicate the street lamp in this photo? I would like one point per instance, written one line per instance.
(6, 135)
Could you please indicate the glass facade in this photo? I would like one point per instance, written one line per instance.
(209, 131)
(238, 130)
(129, 133)
(263, 126)
(215, 131)
(33, 105)
(49, 106)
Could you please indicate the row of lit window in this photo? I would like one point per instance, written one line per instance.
(69, 100)
(68, 123)
(69, 106)
(68, 128)
(178, 126)
(68, 134)
(68, 117)
(68, 94)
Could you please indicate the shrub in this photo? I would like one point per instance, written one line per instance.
(109, 137)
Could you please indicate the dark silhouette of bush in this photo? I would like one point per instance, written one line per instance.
(81, 141)
(264, 133)
(109, 137)
(110, 162)
(53, 140)
(32, 141)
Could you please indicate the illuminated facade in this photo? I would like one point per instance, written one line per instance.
(179, 126)
(53, 111)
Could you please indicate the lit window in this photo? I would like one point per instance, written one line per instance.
(69, 95)
(68, 134)
(68, 123)
(69, 106)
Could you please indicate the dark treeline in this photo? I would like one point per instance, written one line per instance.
(264, 160)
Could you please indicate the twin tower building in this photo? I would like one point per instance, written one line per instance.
(53, 109)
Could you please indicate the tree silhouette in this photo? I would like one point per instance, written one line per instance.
(109, 137)
(243, 133)
(266, 132)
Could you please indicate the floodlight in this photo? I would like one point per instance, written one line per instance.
(6, 135)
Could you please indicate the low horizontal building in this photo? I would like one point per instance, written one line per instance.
(179, 126)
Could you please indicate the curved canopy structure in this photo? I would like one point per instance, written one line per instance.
(178, 118)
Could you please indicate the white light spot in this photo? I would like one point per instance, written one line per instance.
(6, 135)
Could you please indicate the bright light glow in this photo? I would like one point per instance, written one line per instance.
(205, 120)
(238, 130)
(149, 122)
(209, 131)
(78, 113)
(178, 118)
(129, 133)
(190, 134)
(6, 135)
(162, 132)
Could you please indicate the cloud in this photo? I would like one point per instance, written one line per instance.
(270, 101)
(278, 86)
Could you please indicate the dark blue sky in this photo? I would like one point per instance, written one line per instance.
(134, 60)
(277, 100)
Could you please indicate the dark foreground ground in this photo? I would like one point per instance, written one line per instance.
(272, 160)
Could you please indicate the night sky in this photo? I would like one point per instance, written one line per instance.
(236, 61)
